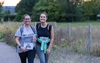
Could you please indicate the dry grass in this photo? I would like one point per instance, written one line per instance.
(7, 30)
(63, 45)
(78, 41)
(96, 49)
(62, 55)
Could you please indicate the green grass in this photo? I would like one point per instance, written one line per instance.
(64, 24)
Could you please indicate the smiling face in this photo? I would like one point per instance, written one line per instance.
(27, 20)
(43, 18)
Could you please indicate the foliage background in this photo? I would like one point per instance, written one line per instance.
(58, 10)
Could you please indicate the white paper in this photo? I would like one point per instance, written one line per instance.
(28, 46)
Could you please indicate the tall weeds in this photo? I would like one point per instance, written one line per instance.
(77, 42)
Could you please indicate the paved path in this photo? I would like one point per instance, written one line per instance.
(8, 54)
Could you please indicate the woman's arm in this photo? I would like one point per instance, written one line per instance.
(52, 38)
(18, 43)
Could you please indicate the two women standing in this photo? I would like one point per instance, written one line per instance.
(29, 38)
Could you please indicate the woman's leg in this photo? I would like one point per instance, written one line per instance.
(40, 53)
(46, 58)
(23, 57)
(31, 55)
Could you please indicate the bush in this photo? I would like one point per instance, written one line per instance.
(19, 16)
(7, 32)
(96, 49)
(8, 36)
(9, 17)
(1, 35)
(60, 34)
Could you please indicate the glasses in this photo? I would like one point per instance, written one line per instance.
(27, 19)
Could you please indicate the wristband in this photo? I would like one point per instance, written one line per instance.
(19, 46)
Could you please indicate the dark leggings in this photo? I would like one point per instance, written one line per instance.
(29, 54)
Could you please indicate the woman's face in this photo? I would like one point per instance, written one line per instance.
(27, 20)
(43, 18)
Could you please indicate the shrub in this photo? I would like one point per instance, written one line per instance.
(7, 32)
(96, 49)
(60, 34)
(1, 35)
(8, 36)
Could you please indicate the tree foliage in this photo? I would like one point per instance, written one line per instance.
(24, 7)
(59, 10)
(52, 7)
(90, 9)
(1, 3)
(71, 9)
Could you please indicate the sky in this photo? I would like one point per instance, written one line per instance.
(10, 2)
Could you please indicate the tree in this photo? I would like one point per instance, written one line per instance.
(96, 9)
(90, 9)
(1, 3)
(19, 16)
(1, 15)
(52, 7)
(70, 7)
(24, 7)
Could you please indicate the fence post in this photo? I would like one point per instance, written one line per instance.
(55, 27)
(89, 41)
(89, 38)
(69, 33)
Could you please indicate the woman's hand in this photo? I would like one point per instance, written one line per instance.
(48, 51)
(23, 49)
(34, 39)
(51, 41)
